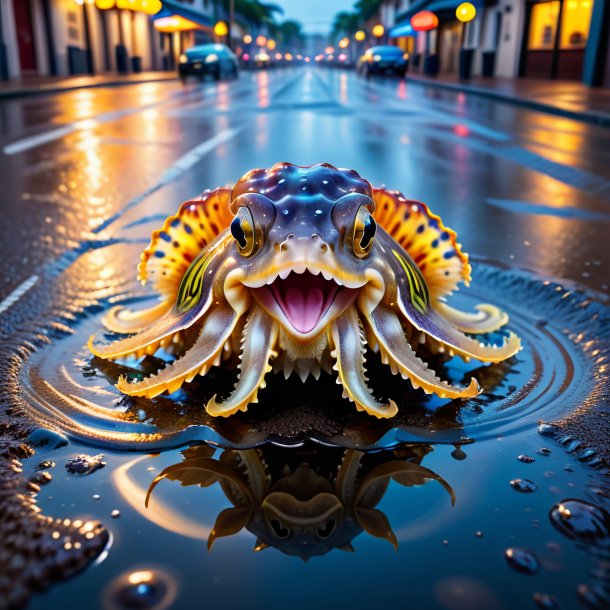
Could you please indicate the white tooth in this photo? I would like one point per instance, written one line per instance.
(313, 270)
(300, 268)
(326, 275)
(284, 274)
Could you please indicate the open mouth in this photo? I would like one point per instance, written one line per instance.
(304, 300)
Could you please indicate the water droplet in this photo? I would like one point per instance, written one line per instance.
(522, 560)
(142, 590)
(526, 459)
(115, 514)
(543, 451)
(544, 601)
(47, 439)
(593, 597)
(580, 520)
(96, 496)
(479, 534)
(546, 430)
(85, 464)
(524, 485)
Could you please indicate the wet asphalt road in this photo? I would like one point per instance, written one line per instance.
(520, 187)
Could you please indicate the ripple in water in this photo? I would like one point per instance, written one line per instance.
(65, 387)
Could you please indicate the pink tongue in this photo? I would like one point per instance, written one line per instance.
(304, 309)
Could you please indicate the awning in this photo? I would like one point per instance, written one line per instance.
(171, 8)
(402, 29)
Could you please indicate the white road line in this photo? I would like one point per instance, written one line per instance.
(55, 134)
(12, 298)
(174, 171)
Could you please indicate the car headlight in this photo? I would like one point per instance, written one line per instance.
(211, 58)
(183, 58)
(376, 57)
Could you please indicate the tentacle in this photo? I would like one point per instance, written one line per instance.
(488, 318)
(398, 354)
(206, 352)
(194, 300)
(123, 320)
(347, 338)
(260, 336)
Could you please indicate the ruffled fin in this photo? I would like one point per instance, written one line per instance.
(176, 245)
(430, 244)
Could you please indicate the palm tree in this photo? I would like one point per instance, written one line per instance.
(345, 24)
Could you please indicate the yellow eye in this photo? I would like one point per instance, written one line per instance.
(364, 232)
(242, 229)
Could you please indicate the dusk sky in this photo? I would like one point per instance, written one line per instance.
(315, 15)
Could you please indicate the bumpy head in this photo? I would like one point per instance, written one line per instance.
(303, 243)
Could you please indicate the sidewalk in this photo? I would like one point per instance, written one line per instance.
(564, 98)
(36, 85)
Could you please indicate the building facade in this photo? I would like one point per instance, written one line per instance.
(71, 37)
(554, 39)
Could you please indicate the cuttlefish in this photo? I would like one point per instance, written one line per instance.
(299, 270)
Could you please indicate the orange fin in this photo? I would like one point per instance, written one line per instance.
(176, 245)
(430, 244)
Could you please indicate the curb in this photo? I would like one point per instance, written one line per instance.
(50, 89)
(593, 118)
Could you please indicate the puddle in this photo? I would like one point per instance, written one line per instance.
(449, 505)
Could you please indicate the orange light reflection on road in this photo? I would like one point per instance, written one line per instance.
(263, 89)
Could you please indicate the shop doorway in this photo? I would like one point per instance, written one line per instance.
(450, 34)
(556, 38)
(25, 36)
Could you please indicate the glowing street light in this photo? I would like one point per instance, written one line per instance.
(221, 29)
(360, 35)
(344, 43)
(329, 50)
(271, 44)
(247, 39)
(466, 12)
(378, 30)
(261, 41)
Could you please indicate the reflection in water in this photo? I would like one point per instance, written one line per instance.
(303, 501)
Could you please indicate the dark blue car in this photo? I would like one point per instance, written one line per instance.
(383, 59)
(216, 60)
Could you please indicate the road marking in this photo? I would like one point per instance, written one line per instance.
(55, 134)
(174, 171)
(12, 298)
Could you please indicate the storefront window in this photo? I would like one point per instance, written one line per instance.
(575, 22)
(543, 25)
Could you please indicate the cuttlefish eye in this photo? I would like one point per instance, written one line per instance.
(327, 529)
(242, 229)
(364, 232)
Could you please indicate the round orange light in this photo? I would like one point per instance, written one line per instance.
(261, 41)
(271, 44)
(360, 35)
(466, 12)
(247, 39)
(221, 28)
(424, 21)
(378, 30)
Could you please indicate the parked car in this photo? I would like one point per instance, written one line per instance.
(217, 60)
(383, 59)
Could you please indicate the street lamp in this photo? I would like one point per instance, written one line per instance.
(271, 44)
(261, 41)
(378, 30)
(221, 29)
(466, 12)
(247, 39)
(344, 43)
(360, 35)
